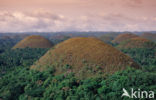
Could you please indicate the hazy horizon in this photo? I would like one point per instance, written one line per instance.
(77, 15)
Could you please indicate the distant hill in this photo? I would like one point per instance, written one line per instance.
(7, 42)
(85, 57)
(108, 37)
(58, 38)
(137, 42)
(150, 36)
(123, 37)
(34, 41)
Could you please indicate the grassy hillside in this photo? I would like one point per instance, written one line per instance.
(123, 37)
(87, 56)
(137, 42)
(34, 41)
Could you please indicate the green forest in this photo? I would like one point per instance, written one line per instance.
(19, 82)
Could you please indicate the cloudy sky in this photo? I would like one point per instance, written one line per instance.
(77, 15)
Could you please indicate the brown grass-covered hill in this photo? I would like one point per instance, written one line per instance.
(137, 42)
(87, 56)
(34, 41)
(123, 37)
(149, 36)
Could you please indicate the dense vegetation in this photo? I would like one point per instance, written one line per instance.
(24, 84)
(57, 39)
(6, 44)
(19, 57)
(146, 57)
(18, 82)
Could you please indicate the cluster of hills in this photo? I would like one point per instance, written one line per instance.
(81, 53)
(130, 40)
(85, 55)
(76, 67)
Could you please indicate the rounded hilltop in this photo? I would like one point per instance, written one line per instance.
(137, 42)
(123, 37)
(85, 57)
(34, 41)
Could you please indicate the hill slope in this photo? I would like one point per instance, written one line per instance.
(137, 42)
(123, 37)
(34, 41)
(85, 57)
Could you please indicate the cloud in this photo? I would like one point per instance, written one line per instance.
(36, 21)
(39, 21)
(133, 3)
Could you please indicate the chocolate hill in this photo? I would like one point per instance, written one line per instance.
(85, 57)
(123, 37)
(137, 42)
(34, 41)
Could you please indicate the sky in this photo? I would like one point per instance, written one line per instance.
(77, 15)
